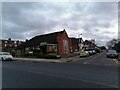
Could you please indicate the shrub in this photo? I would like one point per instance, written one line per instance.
(52, 55)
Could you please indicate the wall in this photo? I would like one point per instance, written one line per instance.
(62, 39)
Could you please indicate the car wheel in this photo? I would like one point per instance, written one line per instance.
(107, 56)
(117, 56)
(2, 59)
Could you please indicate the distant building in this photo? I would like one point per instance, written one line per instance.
(57, 42)
(81, 45)
(111, 43)
(74, 44)
(89, 44)
(9, 45)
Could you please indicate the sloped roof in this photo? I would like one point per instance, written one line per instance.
(12, 41)
(50, 38)
(87, 42)
(74, 40)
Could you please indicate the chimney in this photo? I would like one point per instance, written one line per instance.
(9, 39)
(26, 40)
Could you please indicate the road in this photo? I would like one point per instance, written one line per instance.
(83, 73)
(98, 59)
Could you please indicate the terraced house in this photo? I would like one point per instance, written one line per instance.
(9, 45)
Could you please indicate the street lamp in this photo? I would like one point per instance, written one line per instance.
(79, 43)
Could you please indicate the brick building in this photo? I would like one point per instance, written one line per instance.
(74, 44)
(9, 45)
(57, 42)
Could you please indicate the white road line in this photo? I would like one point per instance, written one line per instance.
(116, 61)
(98, 64)
(72, 78)
(85, 63)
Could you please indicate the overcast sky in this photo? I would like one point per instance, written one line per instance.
(25, 20)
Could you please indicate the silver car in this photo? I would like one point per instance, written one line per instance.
(5, 56)
(112, 54)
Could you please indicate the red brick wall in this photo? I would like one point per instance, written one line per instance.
(60, 38)
(74, 44)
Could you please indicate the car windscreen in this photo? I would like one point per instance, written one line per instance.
(6, 54)
(112, 51)
(88, 49)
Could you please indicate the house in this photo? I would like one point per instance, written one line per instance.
(89, 44)
(9, 45)
(57, 42)
(76, 44)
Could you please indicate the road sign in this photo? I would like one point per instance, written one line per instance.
(43, 43)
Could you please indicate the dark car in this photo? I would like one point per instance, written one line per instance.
(112, 54)
(97, 50)
(93, 51)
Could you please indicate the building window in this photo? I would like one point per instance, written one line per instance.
(10, 45)
(5, 41)
(15, 45)
(27, 50)
(5, 45)
(51, 48)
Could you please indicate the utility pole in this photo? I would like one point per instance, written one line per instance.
(79, 43)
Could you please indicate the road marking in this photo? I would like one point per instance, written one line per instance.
(92, 58)
(72, 78)
(98, 64)
(116, 61)
(85, 63)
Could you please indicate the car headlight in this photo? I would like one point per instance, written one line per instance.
(85, 52)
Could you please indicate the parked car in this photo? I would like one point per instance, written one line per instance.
(112, 54)
(97, 50)
(5, 56)
(84, 54)
(93, 51)
(89, 51)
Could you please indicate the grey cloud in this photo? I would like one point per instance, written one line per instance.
(25, 20)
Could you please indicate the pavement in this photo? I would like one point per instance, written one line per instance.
(36, 60)
(61, 60)
(96, 59)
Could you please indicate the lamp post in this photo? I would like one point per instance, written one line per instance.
(79, 42)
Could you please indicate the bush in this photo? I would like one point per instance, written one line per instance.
(52, 55)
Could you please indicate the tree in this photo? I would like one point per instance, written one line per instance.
(111, 43)
(116, 47)
(103, 48)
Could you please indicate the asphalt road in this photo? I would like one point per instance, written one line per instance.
(83, 73)
(98, 59)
